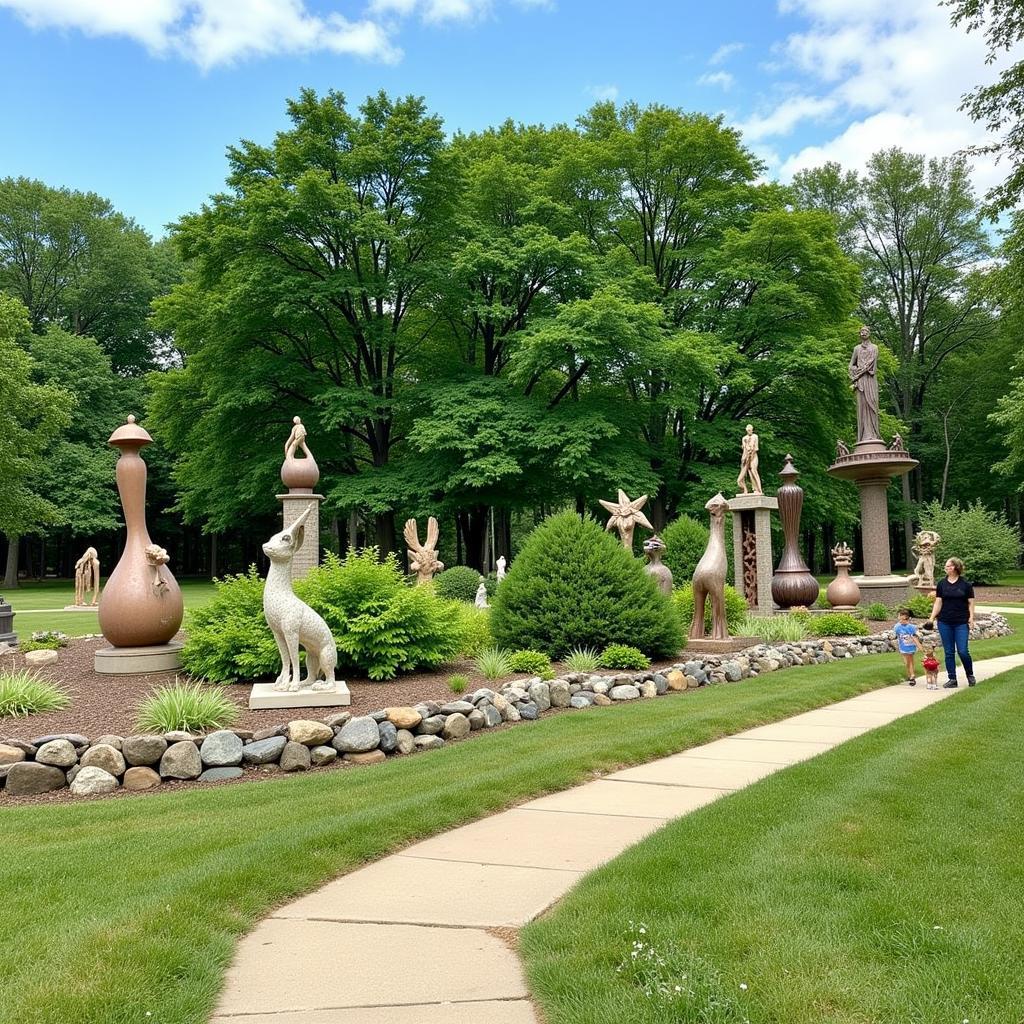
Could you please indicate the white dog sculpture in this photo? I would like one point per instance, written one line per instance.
(292, 621)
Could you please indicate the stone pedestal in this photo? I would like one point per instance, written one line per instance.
(293, 504)
(752, 561)
(728, 646)
(130, 661)
(263, 695)
(890, 590)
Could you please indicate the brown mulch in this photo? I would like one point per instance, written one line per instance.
(995, 595)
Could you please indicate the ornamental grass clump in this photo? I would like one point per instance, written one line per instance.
(191, 707)
(574, 584)
(582, 659)
(458, 683)
(24, 693)
(774, 629)
(494, 663)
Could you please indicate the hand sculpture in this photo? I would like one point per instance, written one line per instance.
(422, 557)
(292, 621)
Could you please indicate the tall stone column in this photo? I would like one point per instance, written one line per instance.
(874, 523)
(300, 476)
(752, 562)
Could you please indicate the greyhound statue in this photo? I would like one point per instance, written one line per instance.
(292, 621)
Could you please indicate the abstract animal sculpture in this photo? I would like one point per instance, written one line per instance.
(422, 557)
(625, 515)
(709, 576)
(654, 548)
(925, 543)
(292, 621)
(87, 576)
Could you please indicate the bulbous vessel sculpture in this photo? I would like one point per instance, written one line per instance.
(141, 604)
(792, 585)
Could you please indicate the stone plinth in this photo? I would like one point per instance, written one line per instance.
(727, 646)
(753, 562)
(293, 505)
(890, 590)
(264, 695)
(125, 661)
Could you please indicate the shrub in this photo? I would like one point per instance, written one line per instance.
(458, 683)
(774, 629)
(25, 693)
(736, 609)
(987, 543)
(878, 611)
(459, 583)
(494, 663)
(191, 707)
(471, 628)
(573, 583)
(45, 640)
(582, 659)
(822, 600)
(920, 606)
(228, 638)
(622, 656)
(685, 540)
(837, 624)
(533, 662)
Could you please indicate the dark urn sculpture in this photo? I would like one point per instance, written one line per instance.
(792, 585)
(7, 634)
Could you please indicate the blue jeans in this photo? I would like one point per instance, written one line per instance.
(955, 637)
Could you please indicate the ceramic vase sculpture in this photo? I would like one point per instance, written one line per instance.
(300, 475)
(792, 585)
(843, 591)
(141, 604)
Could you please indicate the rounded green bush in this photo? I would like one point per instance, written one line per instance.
(685, 540)
(735, 608)
(533, 662)
(623, 656)
(574, 584)
(837, 624)
(459, 583)
(920, 606)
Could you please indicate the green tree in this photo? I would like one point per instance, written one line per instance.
(32, 415)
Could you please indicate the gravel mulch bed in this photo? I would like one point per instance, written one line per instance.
(993, 595)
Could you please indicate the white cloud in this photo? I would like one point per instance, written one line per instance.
(892, 74)
(211, 32)
(603, 92)
(433, 11)
(725, 51)
(720, 78)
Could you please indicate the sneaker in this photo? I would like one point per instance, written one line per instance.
(912, 682)
(952, 684)
(971, 681)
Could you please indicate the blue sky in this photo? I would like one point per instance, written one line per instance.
(137, 99)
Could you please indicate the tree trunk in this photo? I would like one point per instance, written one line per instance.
(473, 523)
(11, 571)
(385, 531)
(213, 555)
(353, 529)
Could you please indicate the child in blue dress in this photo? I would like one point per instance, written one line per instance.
(907, 643)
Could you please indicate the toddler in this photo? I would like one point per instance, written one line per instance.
(907, 643)
(931, 668)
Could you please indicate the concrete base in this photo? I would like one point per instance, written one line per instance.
(130, 661)
(81, 608)
(890, 590)
(727, 646)
(264, 695)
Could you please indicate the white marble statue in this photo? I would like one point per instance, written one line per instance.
(292, 621)
(481, 595)
(502, 564)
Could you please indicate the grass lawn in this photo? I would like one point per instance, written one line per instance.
(1013, 578)
(128, 906)
(48, 598)
(881, 882)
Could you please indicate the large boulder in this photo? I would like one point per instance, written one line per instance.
(38, 659)
(265, 751)
(295, 757)
(357, 736)
(404, 718)
(59, 753)
(28, 778)
(144, 749)
(10, 754)
(309, 733)
(221, 749)
(106, 757)
(181, 761)
(93, 781)
(140, 777)
(455, 727)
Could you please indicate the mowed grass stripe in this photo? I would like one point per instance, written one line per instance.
(881, 882)
(119, 908)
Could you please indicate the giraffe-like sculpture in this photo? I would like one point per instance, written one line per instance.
(709, 576)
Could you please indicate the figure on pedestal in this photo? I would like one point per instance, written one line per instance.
(501, 568)
(87, 577)
(654, 548)
(864, 380)
(423, 557)
(301, 475)
(709, 576)
(749, 447)
(480, 601)
(625, 515)
(925, 543)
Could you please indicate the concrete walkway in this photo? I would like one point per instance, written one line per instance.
(407, 939)
(999, 609)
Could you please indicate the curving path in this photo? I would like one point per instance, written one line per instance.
(413, 938)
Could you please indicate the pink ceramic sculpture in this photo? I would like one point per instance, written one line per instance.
(141, 604)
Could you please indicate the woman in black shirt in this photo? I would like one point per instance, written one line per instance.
(953, 614)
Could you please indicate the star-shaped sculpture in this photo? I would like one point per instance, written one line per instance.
(625, 515)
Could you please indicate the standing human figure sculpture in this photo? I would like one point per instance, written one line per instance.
(87, 577)
(501, 568)
(749, 447)
(480, 601)
(296, 439)
(864, 380)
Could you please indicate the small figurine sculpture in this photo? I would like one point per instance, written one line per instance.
(654, 548)
(292, 621)
(501, 566)
(709, 576)
(897, 445)
(864, 380)
(925, 543)
(625, 515)
(841, 450)
(423, 557)
(749, 447)
(481, 595)
(296, 439)
(843, 591)
(87, 577)
(156, 557)
(299, 475)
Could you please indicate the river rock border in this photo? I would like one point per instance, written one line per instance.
(146, 761)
